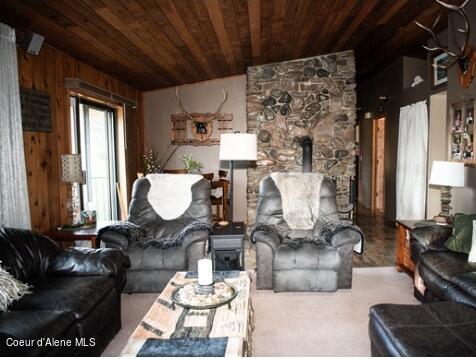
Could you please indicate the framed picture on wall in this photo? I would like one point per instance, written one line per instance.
(439, 75)
(461, 133)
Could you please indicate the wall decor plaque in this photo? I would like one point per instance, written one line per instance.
(35, 110)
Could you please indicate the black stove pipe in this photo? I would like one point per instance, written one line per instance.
(306, 143)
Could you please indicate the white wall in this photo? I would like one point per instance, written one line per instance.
(437, 148)
(199, 97)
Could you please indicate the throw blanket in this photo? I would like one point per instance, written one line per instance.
(138, 236)
(171, 194)
(176, 241)
(300, 197)
(321, 232)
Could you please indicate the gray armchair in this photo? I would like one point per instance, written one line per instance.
(151, 266)
(289, 264)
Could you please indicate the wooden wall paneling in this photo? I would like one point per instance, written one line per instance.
(233, 32)
(130, 44)
(279, 12)
(191, 10)
(152, 44)
(243, 23)
(175, 20)
(162, 36)
(46, 72)
(266, 12)
(291, 13)
(316, 15)
(216, 17)
(254, 14)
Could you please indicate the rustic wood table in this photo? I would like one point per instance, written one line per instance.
(67, 238)
(170, 330)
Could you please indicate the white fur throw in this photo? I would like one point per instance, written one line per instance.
(472, 252)
(300, 197)
(10, 289)
(171, 194)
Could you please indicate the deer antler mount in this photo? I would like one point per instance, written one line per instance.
(465, 55)
(202, 123)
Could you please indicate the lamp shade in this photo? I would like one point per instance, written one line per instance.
(444, 173)
(71, 168)
(238, 147)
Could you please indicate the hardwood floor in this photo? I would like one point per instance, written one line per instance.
(380, 241)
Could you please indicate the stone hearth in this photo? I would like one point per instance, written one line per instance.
(314, 97)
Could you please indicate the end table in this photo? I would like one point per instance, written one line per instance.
(227, 246)
(65, 238)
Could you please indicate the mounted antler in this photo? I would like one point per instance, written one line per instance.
(218, 111)
(453, 57)
(189, 116)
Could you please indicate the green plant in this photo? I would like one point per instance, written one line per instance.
(150, 162)
(190, 164)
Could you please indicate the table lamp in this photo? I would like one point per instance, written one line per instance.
(446, 175)
(72, 173)
(237, 147)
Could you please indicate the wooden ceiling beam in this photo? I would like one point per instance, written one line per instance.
(316, 16)
(367, 7)
(254, 14)
(406, 36)
(163, 61)
(279, 12)
(233, 31)
(243, 22)
(216, 17)
(169, 10)
(390, 13)
(196, 14)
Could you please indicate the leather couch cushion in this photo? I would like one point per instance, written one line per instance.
(447, 264)
(467, 282)
(78, 295)
(308, 256)
(32, 325)
(152, 258)
(25, 254)
(436, 329)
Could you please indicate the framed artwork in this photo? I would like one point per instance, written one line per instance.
(439, 75)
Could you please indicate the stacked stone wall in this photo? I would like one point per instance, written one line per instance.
(314, 97)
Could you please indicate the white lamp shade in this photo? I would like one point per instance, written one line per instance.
(238, 147)
(444, 173)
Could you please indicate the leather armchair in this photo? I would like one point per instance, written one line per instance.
(322, 266)
(151, 267)
(75, 294)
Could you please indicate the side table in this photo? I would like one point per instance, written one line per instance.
(66, 238)
(227, 246)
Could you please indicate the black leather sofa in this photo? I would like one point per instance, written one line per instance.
(74, 308)
(446, 275)
(445, 325)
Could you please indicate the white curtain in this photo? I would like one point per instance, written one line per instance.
(14, 207)
(411, 161)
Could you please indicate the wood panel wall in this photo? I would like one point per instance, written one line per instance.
(46, 72)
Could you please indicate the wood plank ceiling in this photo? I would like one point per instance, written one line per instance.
(153, 44)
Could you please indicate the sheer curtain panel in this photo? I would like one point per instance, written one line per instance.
(411, 161)
(14, 207)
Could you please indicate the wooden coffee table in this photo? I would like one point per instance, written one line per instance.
(170, 330)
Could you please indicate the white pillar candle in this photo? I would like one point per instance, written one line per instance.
(205, 274)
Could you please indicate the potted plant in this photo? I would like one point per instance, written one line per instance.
(190, 164)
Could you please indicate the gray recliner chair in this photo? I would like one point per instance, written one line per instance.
(290, 264)
(152, 267)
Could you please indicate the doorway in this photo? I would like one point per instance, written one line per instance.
(93, 135)
(378, 165)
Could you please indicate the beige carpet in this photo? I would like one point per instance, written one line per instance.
(302, 324)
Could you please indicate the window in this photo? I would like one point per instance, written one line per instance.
(92, 135)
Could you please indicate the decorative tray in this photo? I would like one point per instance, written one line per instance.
(186, 296)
